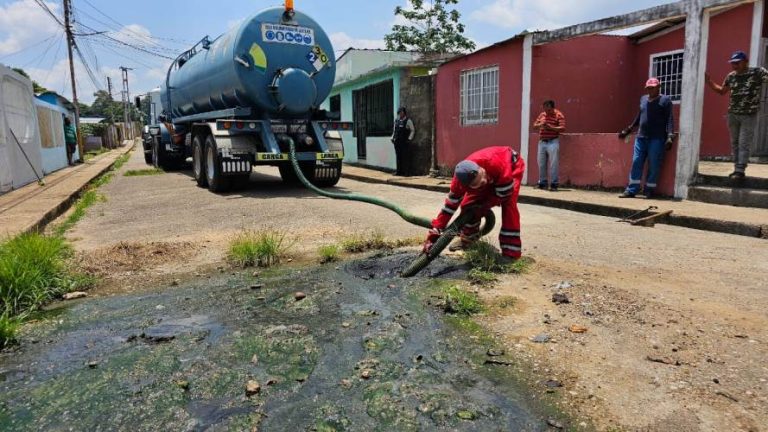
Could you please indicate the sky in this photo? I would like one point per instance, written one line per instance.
(32, 39)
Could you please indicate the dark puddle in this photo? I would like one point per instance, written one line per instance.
(362, 352)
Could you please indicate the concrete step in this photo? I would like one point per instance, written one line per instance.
(740, 197)
(723, 181)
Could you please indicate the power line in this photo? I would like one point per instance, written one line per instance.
(47, 10)
(29, 47)
(40, 58)
(124, 27)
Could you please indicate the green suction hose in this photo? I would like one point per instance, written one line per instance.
(451, 231)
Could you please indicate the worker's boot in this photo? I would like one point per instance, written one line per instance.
(459, 244)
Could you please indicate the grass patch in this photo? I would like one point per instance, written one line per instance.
(93, 153)
(258, 248)
(485, 260)
(329, 253)
(34, 269)
(375, 241)
(144, 172)
(481, 277)
(89, 198)
(461, 302)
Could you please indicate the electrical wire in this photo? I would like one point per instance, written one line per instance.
(47, 10)
(29, 47)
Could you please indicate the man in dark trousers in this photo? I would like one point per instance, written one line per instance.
(745, 85)
(70, 139)
(402, 135)
(487, 178)
(654, 136)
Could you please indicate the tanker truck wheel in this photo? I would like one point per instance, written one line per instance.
(213, 172)
(198, 161)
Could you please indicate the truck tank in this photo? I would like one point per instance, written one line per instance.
(277, 64)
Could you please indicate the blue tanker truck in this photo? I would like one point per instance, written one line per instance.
(231, 103)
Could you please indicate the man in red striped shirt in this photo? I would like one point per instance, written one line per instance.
(487, 178)
(550, 123)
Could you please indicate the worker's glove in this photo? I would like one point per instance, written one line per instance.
(624, 132)
(670, 141)
(432, 237)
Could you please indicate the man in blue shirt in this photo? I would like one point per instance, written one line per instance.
(655, 134)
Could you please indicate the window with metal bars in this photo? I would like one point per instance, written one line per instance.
(479, 96)
(668, 68)
(375, 106)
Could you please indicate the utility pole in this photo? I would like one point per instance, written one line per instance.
(112, 139)
(127, 103)
(70, 45)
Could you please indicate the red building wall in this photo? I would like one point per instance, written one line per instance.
(455, 141)
(587, 79)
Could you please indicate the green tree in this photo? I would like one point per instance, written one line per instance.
(104, 106)
(432, 27)
(37, 88)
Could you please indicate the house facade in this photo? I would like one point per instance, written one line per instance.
(492, 96)
(370, 86)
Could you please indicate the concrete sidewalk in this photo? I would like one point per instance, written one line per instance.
(752, 222)
(31, 207)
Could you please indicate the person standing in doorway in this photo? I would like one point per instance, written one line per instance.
(744, 84)
(402, 135)
(70, 139)
(653, 137)
(550, 123)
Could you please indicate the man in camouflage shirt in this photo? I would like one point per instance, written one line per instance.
(745, 84)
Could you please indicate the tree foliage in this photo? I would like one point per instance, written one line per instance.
(433, 27)
(36, 87)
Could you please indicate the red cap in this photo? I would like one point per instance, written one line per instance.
(652, 82)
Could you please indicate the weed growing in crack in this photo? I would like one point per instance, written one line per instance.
(486, 261)
(329, 253)
(375, 241)
(143, 172)
(259, 248)
(461, 302)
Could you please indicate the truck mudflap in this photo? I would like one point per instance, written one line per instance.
(231, 166)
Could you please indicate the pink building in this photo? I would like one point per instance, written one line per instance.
(492, 96)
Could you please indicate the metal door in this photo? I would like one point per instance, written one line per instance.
(360, 117)
(760, 145)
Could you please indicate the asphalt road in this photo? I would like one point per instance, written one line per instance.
(714, 285)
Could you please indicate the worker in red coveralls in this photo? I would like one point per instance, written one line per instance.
(487, 178)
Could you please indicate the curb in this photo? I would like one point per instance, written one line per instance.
(66, 203)
(692, 222)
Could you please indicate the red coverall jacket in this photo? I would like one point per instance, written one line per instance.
(504, 168)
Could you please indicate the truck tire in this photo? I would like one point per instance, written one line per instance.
(288, 174)
(161, 159)
(213, 173)
(148, 157)
(198, 161)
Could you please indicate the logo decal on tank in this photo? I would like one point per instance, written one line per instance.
(293, 35)
(258, 57)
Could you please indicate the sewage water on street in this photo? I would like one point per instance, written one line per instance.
(363, 351)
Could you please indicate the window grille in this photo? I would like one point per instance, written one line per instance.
(668, 68)
(374, 105)
(480, 96)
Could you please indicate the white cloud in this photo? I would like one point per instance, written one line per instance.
(538, 15)
(525, 14)
(134, 33)
(341, 41)
(23, 23)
